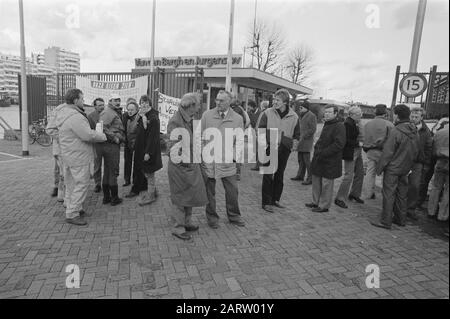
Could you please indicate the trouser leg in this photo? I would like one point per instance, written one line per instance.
(112, 157)
(414, 179)
(231, 198)
(267, 189)
(316, 189)
(79, 182)
(437, 184)
(390, 184)
(128, 163)
(344, 188)
(150, 194)
(211, 214)
(178, 219)
(427, 176)
(326, 196)
(98, 165)
(301, 166)
(369, 182)
(56, 173)
(61, 187)
(401, 200)
(443, 205)
(278, 178)
(306, 160)
(358, 178)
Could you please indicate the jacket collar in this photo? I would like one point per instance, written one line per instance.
(184, 115)
(227, 117)
(289, 114)
(333, 121)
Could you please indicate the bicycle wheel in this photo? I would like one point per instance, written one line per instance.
(32, 133)
(44, 139)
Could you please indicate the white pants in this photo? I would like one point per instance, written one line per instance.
(76, 179)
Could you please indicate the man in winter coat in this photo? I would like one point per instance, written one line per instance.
(187, 188)
(130, 120)
(348, 154)
(308, 127)
(110, 150)
(282, 118)
(376, 132)
(326, 164)
(77, 153)
(423, 162)
(397, 160)
(222, 117)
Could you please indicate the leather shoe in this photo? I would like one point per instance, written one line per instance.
(84, 214)
(79, 221)
(116, 201)
(268, 208)
(191, 228)
(380, 225)
(277, 204)
(356, 199)
(412, 216)
(320, 210)
(396, 222)
(54, 192)
(239, 223)
(131, 194)
(311, 205)
(307, 183)
(213, 225)
(97, 189)
(297, 178)
(373, 196)
(340, 203)
(183, 236)
(126, 184)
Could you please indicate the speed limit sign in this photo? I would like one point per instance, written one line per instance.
(413, 85)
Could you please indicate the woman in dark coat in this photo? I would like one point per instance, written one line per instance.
(187, 187)
(326, 164)
(148, 150)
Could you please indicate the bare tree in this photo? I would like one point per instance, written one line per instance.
(268, 43)
(298, 63)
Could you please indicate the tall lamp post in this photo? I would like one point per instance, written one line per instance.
(230, 50)
(23, 84)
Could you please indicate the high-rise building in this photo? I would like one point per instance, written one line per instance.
(9, 70)
(64, 61)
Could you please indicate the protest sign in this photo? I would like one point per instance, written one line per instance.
(167, 106)
(93, 89)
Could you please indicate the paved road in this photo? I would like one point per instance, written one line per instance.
(127, 251)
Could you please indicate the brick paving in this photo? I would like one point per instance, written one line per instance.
(127, 251)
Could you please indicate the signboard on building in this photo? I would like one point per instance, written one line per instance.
(167, 106)
(92, 89)
(190, 62)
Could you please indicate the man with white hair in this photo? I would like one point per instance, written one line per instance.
(349, 154)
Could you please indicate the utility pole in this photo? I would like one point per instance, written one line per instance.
(230, 50)
(417, 36)
(254, 30)
(23, 84)
(152, 52)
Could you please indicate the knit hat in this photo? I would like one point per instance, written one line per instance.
(380, 109)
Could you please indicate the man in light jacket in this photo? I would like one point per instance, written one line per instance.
(376, 132)
(221, 118)
(308, 127)
(77, 153)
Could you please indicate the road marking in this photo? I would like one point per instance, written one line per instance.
(7, 154)
(15, 160)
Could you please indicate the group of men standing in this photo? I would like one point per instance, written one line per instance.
(403, 151)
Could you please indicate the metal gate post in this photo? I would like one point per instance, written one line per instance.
(431, 80)
(394, 95)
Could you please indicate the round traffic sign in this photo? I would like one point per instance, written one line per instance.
(413, 84)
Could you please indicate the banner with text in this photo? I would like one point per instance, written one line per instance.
(167, 106)
(93, 89)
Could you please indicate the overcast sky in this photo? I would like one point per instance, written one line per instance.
(351, 60)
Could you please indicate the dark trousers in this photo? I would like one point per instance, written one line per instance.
(395, 198)
(304, 165)
(97, 166)
(414, 179)
(231, 199)
(110, 153)
(427, 175)
(128, 155)
(272, 185)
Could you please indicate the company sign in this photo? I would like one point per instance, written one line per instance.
(190, 62)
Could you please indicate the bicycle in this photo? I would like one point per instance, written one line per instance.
(37, 133)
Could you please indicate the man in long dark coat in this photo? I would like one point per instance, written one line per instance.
(326, 165)
(187, 188)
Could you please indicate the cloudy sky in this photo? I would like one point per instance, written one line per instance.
(351, 60)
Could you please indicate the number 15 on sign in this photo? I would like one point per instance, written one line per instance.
(413, 85)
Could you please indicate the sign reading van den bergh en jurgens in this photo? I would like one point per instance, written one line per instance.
(190, 62)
